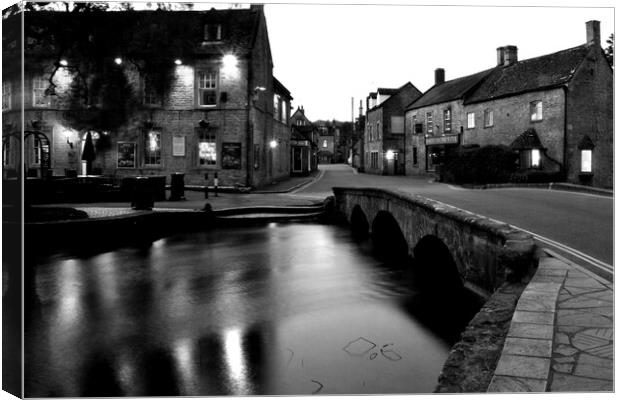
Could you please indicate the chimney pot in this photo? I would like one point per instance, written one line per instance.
(593, 32)
(510, 55)
(500, 56)
(440, 76)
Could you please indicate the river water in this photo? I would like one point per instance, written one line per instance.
(269, 309)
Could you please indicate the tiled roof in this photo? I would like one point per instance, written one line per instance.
(388, 91)
(527, 140)
(535, 73)
(403, 100)
(449, 90)
(281, 89)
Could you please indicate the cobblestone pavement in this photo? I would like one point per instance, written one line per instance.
(561, 335)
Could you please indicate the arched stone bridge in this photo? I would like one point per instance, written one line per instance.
(485, 253)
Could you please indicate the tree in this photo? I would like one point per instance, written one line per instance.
(75, 41)
(609, 50)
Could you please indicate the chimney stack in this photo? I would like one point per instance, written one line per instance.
(500, 56)
(510, 55)
(440, 76)
(593, 32)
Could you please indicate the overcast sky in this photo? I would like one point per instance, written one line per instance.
(326, 54)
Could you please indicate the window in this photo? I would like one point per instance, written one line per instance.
(374, 159)
(530, 158)
(488, 118)
(429, 123)
(378, 133)
(471, 120)
(152, 147)
(586, 160)
(536, 110)
(212, 32)
(207, 88)
(276, 106)
(6, 95)
(447, 120)
(37, 150)
(6, 151)
(397, 124)
(151, 97)
(324, 143)
(39, 98)
(415, 155)
(207, 152)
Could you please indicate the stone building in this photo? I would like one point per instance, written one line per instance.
(384, 137)
(556, 111)
(304, 136)
(220, 110)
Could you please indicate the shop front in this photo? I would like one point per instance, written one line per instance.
(438, 148)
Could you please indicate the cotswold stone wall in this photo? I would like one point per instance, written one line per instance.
(486, 253)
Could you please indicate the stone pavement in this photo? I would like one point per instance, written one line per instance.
(561, 335)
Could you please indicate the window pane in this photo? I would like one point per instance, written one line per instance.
(152, 148)
(471, 120)
(586, 160)
(535, 158)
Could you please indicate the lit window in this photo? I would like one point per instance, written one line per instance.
(152, 147)
(207, 88)
(535, 158)
(151, 97)
(212, 32)
(586, 160)
(324, 143)
(447, 120)
(276, 106)
(39, 98)
(471, 120)
(536, 111)
(488, 117)
(207, 152)
(37, 151)
(6, 95)
(429, 123)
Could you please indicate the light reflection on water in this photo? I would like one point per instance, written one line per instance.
(278, 309)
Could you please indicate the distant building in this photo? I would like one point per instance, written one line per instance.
(304, 138)
(222, 111)
(384, 138)
(556, 111)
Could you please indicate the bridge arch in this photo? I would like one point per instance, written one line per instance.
(388, 238)
(359, 223)
(434, 264)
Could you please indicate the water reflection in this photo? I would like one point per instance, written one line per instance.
(261, 310)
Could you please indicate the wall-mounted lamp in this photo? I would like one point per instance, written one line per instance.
(178, 61)
(273, 144)
(118, 61)
(389, 154)
(63, 62)
(68, 136)
(229, 61)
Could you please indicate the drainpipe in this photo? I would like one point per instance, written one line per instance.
(250, 130)
(564, 168)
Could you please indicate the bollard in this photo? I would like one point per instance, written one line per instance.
(177, 187)
(215, 182)
(206, 186)
(143, 194)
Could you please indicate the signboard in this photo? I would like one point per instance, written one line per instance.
(126, 154)
(447, 139)
(178, 146)
(300, 143)
(231, 155)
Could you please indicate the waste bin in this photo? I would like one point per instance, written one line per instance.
(143, 195)
(177, 186)
(158, 183)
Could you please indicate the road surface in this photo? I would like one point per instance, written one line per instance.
(578, 225)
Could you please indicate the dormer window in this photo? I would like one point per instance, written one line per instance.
(212, 32)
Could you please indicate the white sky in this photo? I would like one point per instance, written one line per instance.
(326, 54)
